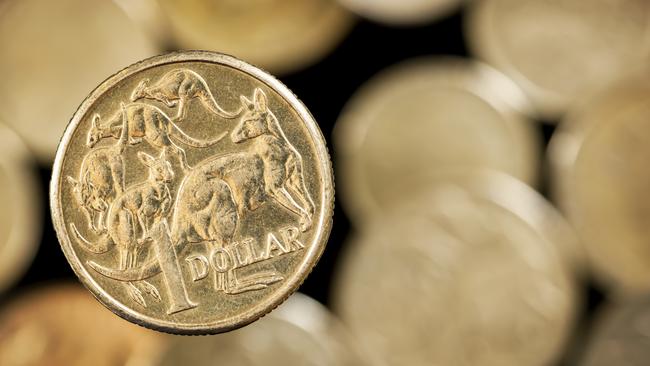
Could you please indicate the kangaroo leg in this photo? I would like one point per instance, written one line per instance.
(284, 198)
(182, 111)
(180, 153)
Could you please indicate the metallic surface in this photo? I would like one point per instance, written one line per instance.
(459, 276)
(598, 156)
(192, 193)
(559, 50)
(277, 35)
(53, 53)
(402, 12)
(62, 325)
(415, 120)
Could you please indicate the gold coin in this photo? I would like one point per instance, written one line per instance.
(455, 277)
(621, 336)
(278, 35)
(192, 193)
(53, 52)
(599, 158)
(62, 325)
(20, 220)
(558, 50)
(401, 12)
(299, 332)
(413, 121)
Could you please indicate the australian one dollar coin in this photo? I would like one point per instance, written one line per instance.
(192, 193)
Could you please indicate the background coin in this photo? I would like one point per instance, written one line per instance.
(401, 12)
(600, 178)
(277, 35)
(63, 325)
(558, 50)
(216, 193)
(410, 123)
(53, 53)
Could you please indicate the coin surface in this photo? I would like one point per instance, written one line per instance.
(300, 332)
(558, 50)
(599, 155)
(455, 278)
(20, 222)
(78, 43)
(413, 121)
(62, 325)
(277, 35)
(192, 193)
(401, 12)
(622, 336)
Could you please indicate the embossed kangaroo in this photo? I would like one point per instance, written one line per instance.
(176, 88)
(101, 179)
(146, 122)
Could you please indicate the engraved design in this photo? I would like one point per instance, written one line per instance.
(207, 205)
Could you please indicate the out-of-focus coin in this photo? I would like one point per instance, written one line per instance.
(278, 35)
(299, 332)
(599, 157)
(455, 278)
(149, 16)
(53, 52)
(401, 12)
(410, 123)
(62, 325)
(621, 336)
(558, 50)
(192, 193)
(20, 220)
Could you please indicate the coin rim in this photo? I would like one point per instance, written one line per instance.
(289, 286)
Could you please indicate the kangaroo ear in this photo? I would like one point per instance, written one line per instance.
(246, 103)
(145, 158)
(72, 182)
(260, 100)
(93, 121)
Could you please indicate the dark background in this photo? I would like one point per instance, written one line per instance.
(324, 88)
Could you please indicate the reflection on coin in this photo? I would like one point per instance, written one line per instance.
(192, 193)
(63, 325)
(454, 278)
(278, 35)
(401, 12)
(622, 336)
(20, 218)
(421, 117)
(600, 157)
(53, 52)
(299, 332)
(558, 50)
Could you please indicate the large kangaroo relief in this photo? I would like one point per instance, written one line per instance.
(155, 227)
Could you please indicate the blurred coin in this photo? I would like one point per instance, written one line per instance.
(558, 50)
(53, 52)
(277, 35)
(401, 12)
(600, 157)
(20, 219)
(62, 325)
(421, 117)
(621, 336)
(299, 332)
(455, 278)
(148, 15)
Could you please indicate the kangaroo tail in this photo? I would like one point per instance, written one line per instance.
(177, 134)
(208, 100)
(102, 246)
(143, 272)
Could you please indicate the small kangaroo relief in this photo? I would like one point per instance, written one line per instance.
(176, 88)
(137, 122)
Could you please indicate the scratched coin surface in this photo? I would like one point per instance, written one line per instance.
(277, 35)
(402, 12)
(192, 193)
(300, 332)
(453, 278)
(621, 335)
(599, 158)
(20, 221)
(53, 53)
(558, 50)
(413, 121)
(62, 325)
